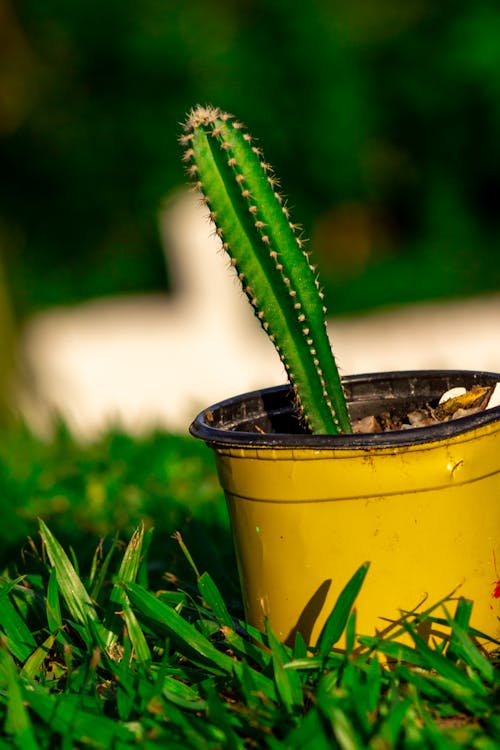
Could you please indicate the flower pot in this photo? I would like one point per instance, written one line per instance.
(421, 504)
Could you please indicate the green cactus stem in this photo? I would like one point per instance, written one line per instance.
(253, 222)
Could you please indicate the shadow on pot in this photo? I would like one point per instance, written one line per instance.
(421, 504)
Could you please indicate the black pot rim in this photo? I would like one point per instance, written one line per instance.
(278, 401)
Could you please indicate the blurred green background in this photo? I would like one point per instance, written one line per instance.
(381, 118)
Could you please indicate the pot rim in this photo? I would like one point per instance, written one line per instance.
(278, 401)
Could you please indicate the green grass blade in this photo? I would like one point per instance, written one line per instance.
(312, 733)
(350, 632)
(218, 714)
(244, 647)
(288, 685)
(71, 587)
(15, 633)
(137, 637)
(130, 563)
(142, 575)
(462, 646)
(492, 721)
(332, 704)
(99, 572)
(299, 647)
(64, 716)
(463, 612)
(167, 621)
(187, 554)
(444, 691)
(344, 731)
(211, 595)
(373, 685)
(182, 695)
(194, 733)
(337, 621)
(390, 729)
(54, 619)
(33, 664)
(461, 618)
(127, 573)
(396, 651)
(472, 656)
(248, 687)
(17, 721)
(444, 667)
(127, 682)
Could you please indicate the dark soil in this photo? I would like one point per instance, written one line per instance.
(461, 405)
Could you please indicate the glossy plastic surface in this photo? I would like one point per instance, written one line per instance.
(424, 512)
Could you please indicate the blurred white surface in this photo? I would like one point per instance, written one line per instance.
(154, 361)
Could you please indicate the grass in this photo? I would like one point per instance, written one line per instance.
(113, 644)
(86, 492)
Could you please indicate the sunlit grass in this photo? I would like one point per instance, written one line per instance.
(138, 640)
(103, 660)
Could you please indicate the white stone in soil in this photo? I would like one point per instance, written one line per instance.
(452, 393)
(495, 397)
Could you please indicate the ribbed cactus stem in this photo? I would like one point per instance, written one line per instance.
(253, 222)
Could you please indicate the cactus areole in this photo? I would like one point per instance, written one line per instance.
(267, 252)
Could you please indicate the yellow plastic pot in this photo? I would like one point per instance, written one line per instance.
(422, 505)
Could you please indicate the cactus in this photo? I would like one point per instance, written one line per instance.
(252, 220)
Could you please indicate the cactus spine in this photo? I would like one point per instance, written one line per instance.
(252, 220)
